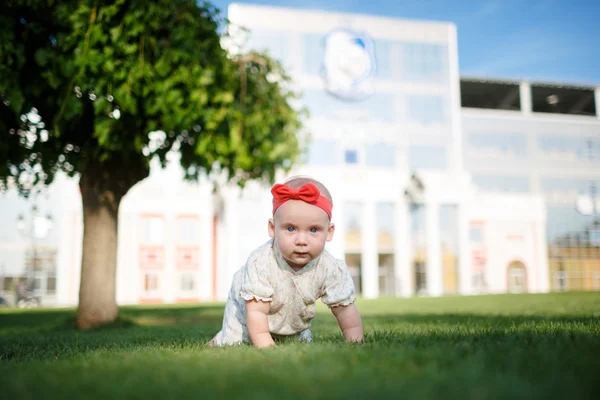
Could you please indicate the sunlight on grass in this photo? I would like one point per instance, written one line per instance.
(479, 347)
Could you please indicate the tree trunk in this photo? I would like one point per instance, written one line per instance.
(101, 190)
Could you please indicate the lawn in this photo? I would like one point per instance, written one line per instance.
(480, 347)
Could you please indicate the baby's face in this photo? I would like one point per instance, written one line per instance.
(301, 231)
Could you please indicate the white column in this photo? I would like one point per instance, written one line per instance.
(543, 269)
(169, 284)
(464, 252)
(597, 100)
(206, 211)
(337, 247)
(370, 264)
(525, 95)
(402, 254)
(434, 256)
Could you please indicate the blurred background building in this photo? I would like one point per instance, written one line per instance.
(442, 184)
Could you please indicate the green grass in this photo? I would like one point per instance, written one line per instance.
(481, 347)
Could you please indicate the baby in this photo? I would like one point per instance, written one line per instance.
(273, 296)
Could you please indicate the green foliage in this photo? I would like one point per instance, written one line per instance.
(101, 75)
(475, 347)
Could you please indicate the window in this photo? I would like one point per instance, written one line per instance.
(188, 230)
(517, 184)
(324, 152)
(354, 263)
(424, 62)
(51, 282)
(352, 222)
(476, 234)
(500, 145)
(379, 107)
(384, 214)
(426, 109)
(187, 282)
(152, 229)
(419, 247)
(561, 281)
(351, 157)
(595, 237)
(427, 157)
(386, 274)
(274, 42)
(380, 155)
(517, 280)
(150, 282)
(449, 247)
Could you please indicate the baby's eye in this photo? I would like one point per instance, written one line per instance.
(314, 230)
(290, 229)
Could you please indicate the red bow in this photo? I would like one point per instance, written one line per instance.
(307, 193)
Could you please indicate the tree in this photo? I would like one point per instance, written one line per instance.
(83, 83)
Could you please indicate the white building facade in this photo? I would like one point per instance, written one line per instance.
(429, 199)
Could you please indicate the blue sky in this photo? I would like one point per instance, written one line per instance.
(541, 40)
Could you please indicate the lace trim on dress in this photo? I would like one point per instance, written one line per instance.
(346, 302)
(249, 296)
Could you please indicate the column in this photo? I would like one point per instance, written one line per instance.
(543, 269)
(434, 256)
(525, 97)
(464, 252)
(169, 280)
(370, 262)
(404, 283)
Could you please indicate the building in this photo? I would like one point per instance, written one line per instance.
(441, 185)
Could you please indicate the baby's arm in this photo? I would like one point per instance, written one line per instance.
(349, 320)
(258, 324)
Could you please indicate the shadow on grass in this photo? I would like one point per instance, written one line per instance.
(192, 327)
(62, 319)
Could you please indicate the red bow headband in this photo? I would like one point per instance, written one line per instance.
(307, 193)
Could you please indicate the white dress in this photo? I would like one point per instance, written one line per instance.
(268, 277)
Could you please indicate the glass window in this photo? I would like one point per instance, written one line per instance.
(379, 107)
(449, 247)
(187, 282)
(476, 234)
(351, 157)
(324, 152)
(354, 263)
(188, 229)
(386, 275)
(511, 144)
(419, 247)
(566, 185)
(424, 62)
(574, 147)
(385, 226)
(517, 282)
(152, 229)
(385, 52)
(150, 282)
(426, 109)
(273, 42)
(380, 155)
(519, 184)
(352, 222)
(426, 157)
(314, 52)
